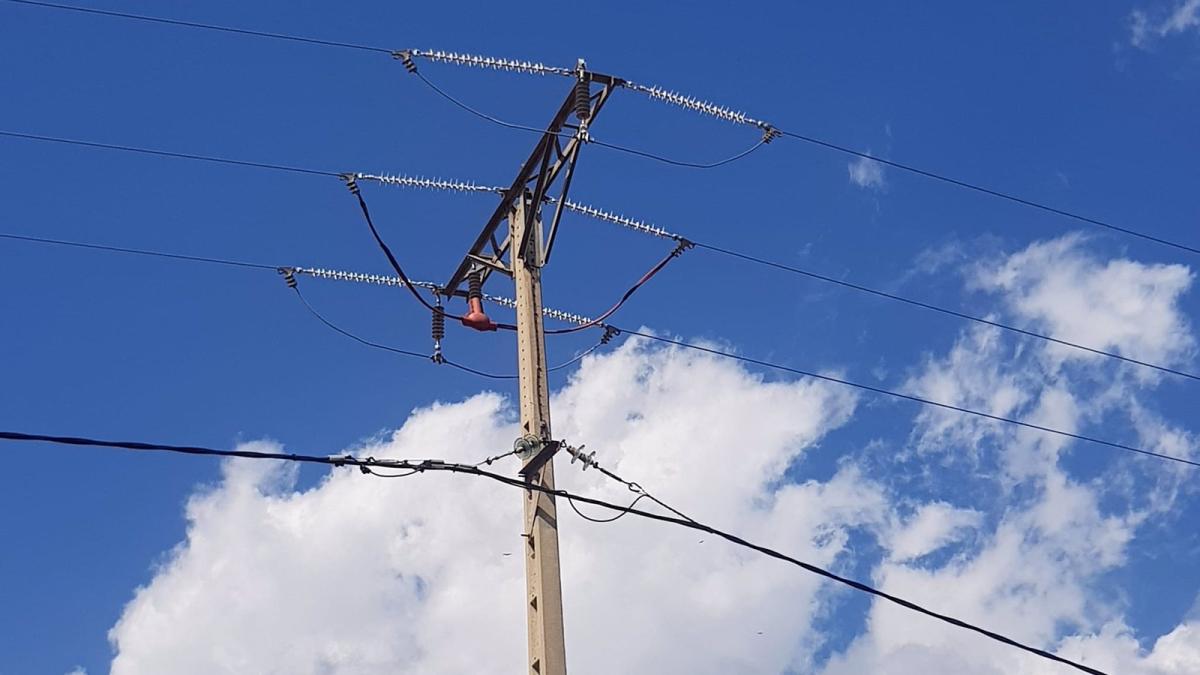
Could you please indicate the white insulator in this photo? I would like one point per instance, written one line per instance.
(359, 277)
(428, 183)
(492, 62)
(630, 223)
(567, 317)
(703, 107)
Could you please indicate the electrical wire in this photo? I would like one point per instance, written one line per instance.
(943, 310)
(312, 310)
(424, 357)
(204, 26)
(137, 251)
(352, 184)
(682, 246)
(910, 397)
(676, 162)
(677, 343)
(688, 521)
(655, 231)
(991, 192)
(624, 512)
(613, 146)
(656, 93)
(439, 465)
(166, 153)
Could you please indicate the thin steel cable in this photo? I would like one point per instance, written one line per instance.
(204, 26)
(949, 312)
(991, 192)
(439, 465)
(915, 399)
(166, 153)
(137, 251)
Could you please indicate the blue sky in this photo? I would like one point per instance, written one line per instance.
(1089, 108)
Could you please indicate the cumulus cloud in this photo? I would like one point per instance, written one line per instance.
(1148, 25)
(866, 173)
(359, 575)
(364, 575)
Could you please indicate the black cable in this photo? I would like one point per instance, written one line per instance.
(482, 115)
(312, 310)
(165, 153)
(676, 162)
(915, 399)
(943, 310)
(682, 246)
(624, 512)
(387, 251)
(438, 465)
(989, 191)
(138, 251)
(688, 521)
(640, 153)
(205, 26)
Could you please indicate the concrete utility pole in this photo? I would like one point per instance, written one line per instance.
(547, 646)
(521, 255)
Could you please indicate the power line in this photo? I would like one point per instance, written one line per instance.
(659, 232)
(992, 192)
(419, 466)
(591, 139)
(688, 521)
(943, 310)
(702, 107)
(166, 153)
(573, 318)
(608, 335)
(204, 26)
(137, 251)
(910, 397)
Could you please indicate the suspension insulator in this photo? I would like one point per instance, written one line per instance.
(583, 99)
(474, 286)
(439, 326)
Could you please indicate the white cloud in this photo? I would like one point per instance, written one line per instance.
(365, 575)
(1120, 305)
(933, 526)
(866, 173)
(1146, 26)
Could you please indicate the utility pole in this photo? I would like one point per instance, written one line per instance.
(521, 255)
(543, 583)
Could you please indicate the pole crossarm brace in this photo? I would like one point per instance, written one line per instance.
(537, 175)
